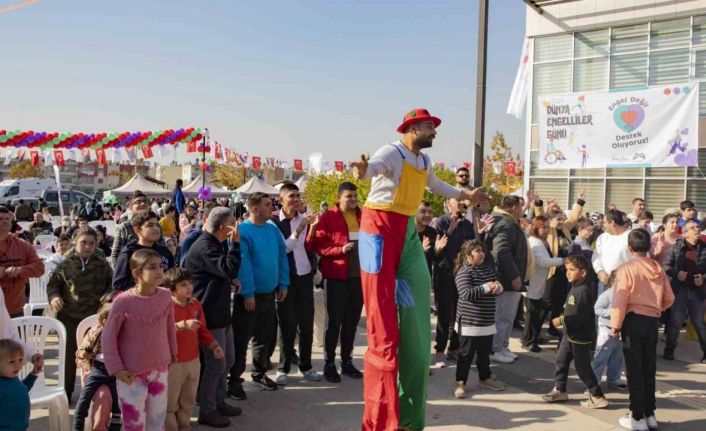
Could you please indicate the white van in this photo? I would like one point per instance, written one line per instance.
(25, 188)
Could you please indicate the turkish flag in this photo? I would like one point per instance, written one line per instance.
(100, 156)
(59, 158)
(298, 165)
(147, 152)
(219, 153)
(467, 164)
(227, 153)
(191, 147)
(34, 158)
(256, 162)
(510, 168)
(339, 165)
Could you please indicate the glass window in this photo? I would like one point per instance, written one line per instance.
(591, 43)
(670, 66)
(628, 39)
(52, 196)
(670, 34)
(66, 197)
(663, 194)
(552, 48)
(550, 188)
(696, 191)
(628, 71)
(699, 30)
(591, 74)
(14, 190)
(700, 74)
(594, 194)
(550, 78)
(621, 192)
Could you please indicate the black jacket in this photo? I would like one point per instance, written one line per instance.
(507, 244)
(674, 262)
(463, 232)
(212, 268)
(122, 276)
(579, 317)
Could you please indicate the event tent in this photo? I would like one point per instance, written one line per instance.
(254, 185)
(138, 182)
(192, 190)
(301, 183)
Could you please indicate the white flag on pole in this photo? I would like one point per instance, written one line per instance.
(9, 155)
(518, 97)
(117, 155)
(48, 157)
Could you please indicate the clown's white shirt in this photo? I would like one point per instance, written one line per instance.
(385, 168)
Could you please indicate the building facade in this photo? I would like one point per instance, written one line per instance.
(612, 45)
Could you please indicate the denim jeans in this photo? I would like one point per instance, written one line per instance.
(686, 302)
(608, 356)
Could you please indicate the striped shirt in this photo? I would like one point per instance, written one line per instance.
(476, 305)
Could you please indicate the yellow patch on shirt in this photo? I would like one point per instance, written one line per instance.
(571, 300)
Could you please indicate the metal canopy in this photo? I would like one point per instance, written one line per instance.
(537, 5)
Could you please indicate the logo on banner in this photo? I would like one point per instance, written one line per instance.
(629, 117)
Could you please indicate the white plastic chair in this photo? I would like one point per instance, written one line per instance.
(34, 330)
(45, 241)
(24, 224)
(37, 294)
(83, 327)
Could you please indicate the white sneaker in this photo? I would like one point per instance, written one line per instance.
(506, 352)
(281, 378)
(312, 376)
(628, 422)
(439, 360)
(651, 422)
(502, 358)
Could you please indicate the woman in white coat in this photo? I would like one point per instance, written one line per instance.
(543, 260)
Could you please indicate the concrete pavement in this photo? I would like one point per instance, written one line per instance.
(303, 405)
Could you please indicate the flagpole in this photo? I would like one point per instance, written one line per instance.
(203, 160)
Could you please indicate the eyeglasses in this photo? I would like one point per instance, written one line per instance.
(462, 176)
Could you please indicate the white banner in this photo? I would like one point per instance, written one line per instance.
(655, 127)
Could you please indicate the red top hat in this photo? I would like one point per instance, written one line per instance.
(415, 116)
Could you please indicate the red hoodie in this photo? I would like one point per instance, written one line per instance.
(16, 252)
(641, 287)
(330, 236)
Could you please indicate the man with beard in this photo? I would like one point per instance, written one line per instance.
(396, 294)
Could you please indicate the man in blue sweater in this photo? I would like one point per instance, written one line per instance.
(264, 278)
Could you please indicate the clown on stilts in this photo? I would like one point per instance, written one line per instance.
(395, 278)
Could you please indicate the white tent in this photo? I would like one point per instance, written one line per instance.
(192, 190)
(301, 183)
(138, 182)
(254, 185)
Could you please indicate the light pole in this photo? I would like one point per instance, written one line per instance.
(206, 140)
(477, 173)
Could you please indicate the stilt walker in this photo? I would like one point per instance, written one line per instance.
(395, 278)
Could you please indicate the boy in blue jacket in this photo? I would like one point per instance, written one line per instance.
(264, 279)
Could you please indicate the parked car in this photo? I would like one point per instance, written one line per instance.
(68, 199)
(29, 187)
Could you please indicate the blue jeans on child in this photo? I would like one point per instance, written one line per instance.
(608, 355)
(97, 377)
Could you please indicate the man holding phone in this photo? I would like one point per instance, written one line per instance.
(455, 229)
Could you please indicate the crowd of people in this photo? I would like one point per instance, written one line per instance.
(197, 286)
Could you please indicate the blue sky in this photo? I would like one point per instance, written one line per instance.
(276, 78)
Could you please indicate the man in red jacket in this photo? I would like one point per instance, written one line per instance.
(336, 241)
(18, 262)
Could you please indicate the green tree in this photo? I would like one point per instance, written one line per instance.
(229, 176)
(24, 169)
(494, 162)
